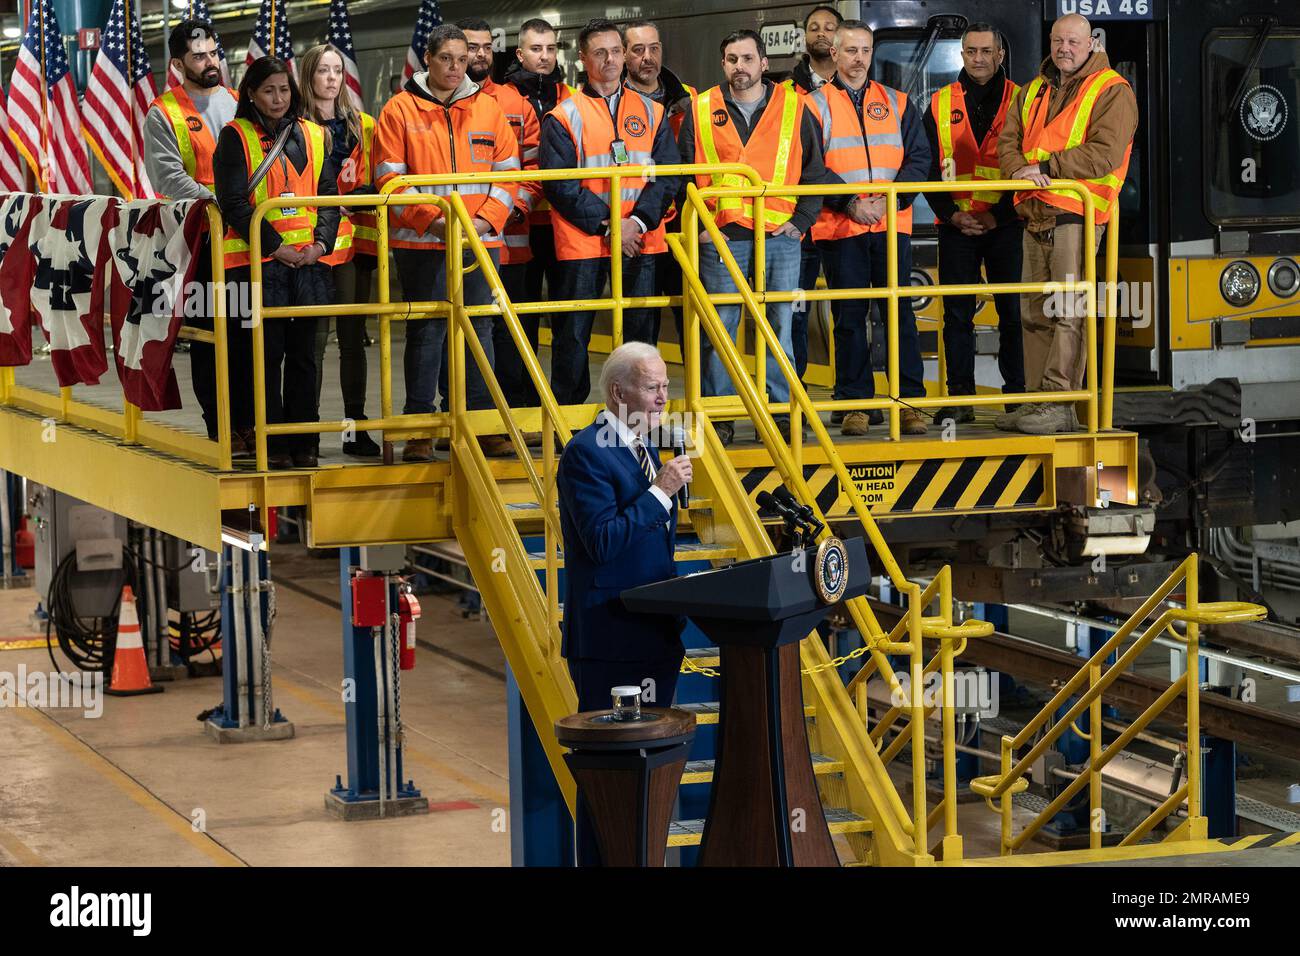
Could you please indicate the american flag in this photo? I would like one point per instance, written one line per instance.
(12, 179)
(428, 18)
(44, 118)
(341, 36)
(198, 10)
(259, 45)
(117, 99)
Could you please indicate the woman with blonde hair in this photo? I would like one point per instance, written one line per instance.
(326, 100)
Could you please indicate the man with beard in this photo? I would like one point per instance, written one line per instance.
(180, 138)
(643, 57)
(766, 126)
(818, 63)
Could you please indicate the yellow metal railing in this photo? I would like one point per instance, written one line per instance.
(1098, 676)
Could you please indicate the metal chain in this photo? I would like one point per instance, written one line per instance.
(396, 643)
(690, 667)
(266, 651)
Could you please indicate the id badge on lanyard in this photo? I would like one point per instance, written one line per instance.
(619, 150)
(288, 193)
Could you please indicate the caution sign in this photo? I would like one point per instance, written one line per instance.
(993, 483)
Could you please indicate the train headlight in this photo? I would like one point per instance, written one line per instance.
(1239, 283)
(920, 277)
(1284, 278)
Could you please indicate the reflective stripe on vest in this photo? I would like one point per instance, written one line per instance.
(770, 159)
(179, 114)
(585, 118)
(861, 147)
(1041, 138)
(295, 228)
(971, 161)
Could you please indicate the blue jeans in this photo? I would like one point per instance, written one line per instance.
(424, 279)
(782, 275)
(810, 267)
(571, 331)
(858, 262)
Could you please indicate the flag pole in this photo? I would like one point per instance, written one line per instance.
(129, 25)
(43, 174)
(271, 39)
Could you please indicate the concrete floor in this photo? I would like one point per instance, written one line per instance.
(143, 784)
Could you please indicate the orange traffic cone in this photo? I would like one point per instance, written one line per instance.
(130, 670)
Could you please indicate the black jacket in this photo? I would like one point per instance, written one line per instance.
(982, 108)
(542, 91)
(814, 164)
(802, 75)
(230, 173)
(581, 206)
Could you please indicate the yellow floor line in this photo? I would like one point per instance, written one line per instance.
(19, 850)
(312, 696)
(78, 748)
(20, 644)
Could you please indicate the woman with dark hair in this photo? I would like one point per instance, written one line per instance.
(269, 151)
(326, 100)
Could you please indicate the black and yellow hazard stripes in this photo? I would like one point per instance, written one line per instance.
(928, 486)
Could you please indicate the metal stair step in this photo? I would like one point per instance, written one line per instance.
(838, 820)
(703, 656)
(707, 712)
(686, 551)
(701, 771)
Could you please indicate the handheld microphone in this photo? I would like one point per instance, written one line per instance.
(679, 448)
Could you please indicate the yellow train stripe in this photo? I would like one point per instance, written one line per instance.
(97, 762)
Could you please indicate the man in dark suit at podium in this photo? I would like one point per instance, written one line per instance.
(618, 514)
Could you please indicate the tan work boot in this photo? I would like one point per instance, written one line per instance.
(533, 439)
(496, 446)
(1007, 422)
(855, 423)
(418, 449)
(913, 422)
(1048, 419)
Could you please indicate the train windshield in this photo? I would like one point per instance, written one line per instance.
(924, 62)
(1252, 137)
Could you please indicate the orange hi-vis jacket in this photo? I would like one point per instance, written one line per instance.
(961, 159)
(196, 143)
(1068, 129)
(358, 232)
(470, 134)
(295, 225)
(774, 149)
(528, 131)
(588, 122)
(865, 148)
(539, 213)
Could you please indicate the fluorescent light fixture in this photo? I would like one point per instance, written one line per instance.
(180, 4)
(12, 32)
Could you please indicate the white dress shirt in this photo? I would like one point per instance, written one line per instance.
(632, 441)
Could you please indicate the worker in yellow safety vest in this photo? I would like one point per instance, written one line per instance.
(768, 127)
(976, 228)
(180, 137)
(1075, 120)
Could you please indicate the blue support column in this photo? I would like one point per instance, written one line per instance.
(1219, 786)
(245, 611)
(541, 828)
(362, 687)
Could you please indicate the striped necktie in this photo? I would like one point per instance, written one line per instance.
(643, 458)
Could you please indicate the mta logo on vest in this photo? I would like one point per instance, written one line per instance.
(877, 110)
(634, 126)
(719, 117)
(957, 116)
(193, 124)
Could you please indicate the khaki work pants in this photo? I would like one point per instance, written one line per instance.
(1054, 323)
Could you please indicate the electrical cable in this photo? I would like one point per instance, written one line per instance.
(88, 645)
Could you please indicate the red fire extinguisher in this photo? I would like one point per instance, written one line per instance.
(408, 608)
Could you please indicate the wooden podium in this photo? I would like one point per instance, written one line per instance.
(764, 809)
(628, 773)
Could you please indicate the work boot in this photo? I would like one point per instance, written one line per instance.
(1014, 413)
(1048, 419)
(496, 446)
(443, 444)
(363, 446)
(958, 416)
(855, 423)
(243, 444)
(305, 459)
(726, 432)
(913, 422)
(783, 426)
(280, 461)
(418, 449)
(533, 439)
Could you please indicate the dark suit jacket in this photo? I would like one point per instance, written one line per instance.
(617, 535)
